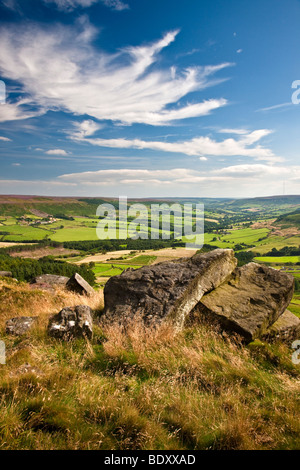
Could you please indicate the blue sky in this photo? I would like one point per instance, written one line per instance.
(149, 98)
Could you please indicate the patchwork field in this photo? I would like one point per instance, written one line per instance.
(278, 259)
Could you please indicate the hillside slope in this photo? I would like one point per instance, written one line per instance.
(197, 389)
(291, 219)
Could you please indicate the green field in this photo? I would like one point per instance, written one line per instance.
(74, 234)
(248, 236)
(278, 259)
(294, 306)
(19, 233)
(108, 270)
(141, 260)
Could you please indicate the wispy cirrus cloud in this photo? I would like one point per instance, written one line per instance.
(60, 69)
(276, 107)
(198, 146)
(116, 5)
(19, 110)
(5, 139)
(70, 5)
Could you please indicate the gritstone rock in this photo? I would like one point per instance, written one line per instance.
(20, 325)
(165, 291)
(77, 284)
(250, 301)
(286, 328)
(72, 322)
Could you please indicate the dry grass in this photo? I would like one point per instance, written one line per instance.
(18, 299)
(146, 389)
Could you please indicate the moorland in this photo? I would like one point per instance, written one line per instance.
(194, 389)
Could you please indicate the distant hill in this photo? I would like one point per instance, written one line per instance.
(19, 205)
(15, 205)
(264, 202)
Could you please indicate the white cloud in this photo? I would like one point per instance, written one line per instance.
(5, 139)
(85, 129)
(69, 5)
(276, 106)
(234, 131)
(57, 152)
(259, 170)
(11, 5)
(199, 146)
(183, 175)
(116, 4)
(232, 181)
(18, 111)
(60, 69)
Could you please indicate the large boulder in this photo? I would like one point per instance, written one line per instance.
(77, 284)
(250, 301)
(20, 325)
(48, 282)
(165, 291)
(72, 322)
(286, 328)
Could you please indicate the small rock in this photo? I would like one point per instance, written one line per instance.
(20, 325)
(77, 284)
(5, 274)
(48, 282)
(286, 328)
(26, 369)
(72, 322)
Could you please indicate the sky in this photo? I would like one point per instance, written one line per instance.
(150, 98)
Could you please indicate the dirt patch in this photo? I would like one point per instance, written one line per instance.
(276, 229)
(101, 258)
(170, 253)
(264, 224)
(41, 252)
(8, 244)
(165, 254)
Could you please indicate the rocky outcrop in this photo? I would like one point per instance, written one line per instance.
(251, 301)
(77, 284)
(48, 282)
(72, 322)
(20, 325)
(286, 328)
(165, 291)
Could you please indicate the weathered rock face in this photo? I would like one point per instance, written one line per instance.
(48, 282)
(5, 274)
(72, 322)
(77, 284)
(165, 291)
(20, 325)
(286, 328)
(251, 301)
